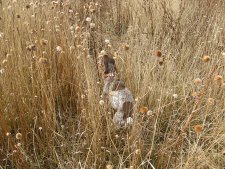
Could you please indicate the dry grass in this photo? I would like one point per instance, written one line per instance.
(172, 61)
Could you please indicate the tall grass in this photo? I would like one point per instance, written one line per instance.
(50, 116)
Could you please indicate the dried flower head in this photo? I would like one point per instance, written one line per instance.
(158, 53)
(143, 110)
(138, 151)
(107, 41)
(44, 42)
(31, 47)
(101, 102)
(43, 61)
(218, 79)
(92, 25)
(175, 96)
(109, 166)
(59, 49)
(197, 81)
(18, 144)
(126, 47)
(18, 136)
(77, 29)
(8, 134)
(205, 58)
(88, 19)
(198, 128)
(161, 61)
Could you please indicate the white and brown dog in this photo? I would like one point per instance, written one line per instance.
(115, 91)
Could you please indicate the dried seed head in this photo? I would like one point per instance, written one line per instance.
(196, 95)
(88, 19)
(197, 81)
(77, 29)
(158, 53)
(101, 102)
(44, 42)
(107, 41)
(175, 96)
(92, 25)
(59, 49)
(18, 144)
(138, 151)
(18, 136)
(149, 113)
(8, 134)
(43, 61)
(31, 47)
(82, 96)
(218, 79)
(198, 128)
(126, 47)
(143, 110)
(205, 58)
(109, 166)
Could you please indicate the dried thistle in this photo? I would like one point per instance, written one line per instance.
(197, 81)
(18, 136)
(206, 58)
(158, 53)
(198, 128)
(143, 110)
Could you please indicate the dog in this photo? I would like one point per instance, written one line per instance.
(115, 91)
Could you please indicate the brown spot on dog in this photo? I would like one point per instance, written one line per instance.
(128, 109)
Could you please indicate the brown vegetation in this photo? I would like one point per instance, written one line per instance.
(50, 110)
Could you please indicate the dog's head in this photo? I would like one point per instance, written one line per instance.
(106, 65)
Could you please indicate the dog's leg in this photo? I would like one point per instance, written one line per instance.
(118, 119)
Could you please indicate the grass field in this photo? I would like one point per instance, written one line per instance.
(50, 111)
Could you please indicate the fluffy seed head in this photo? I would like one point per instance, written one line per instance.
(92, 25)
(175, 96)
(126, 47)
(101, 102)
(18, 136)
(109, 166)
(88, 19)
(59, 49)
(138, 151)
